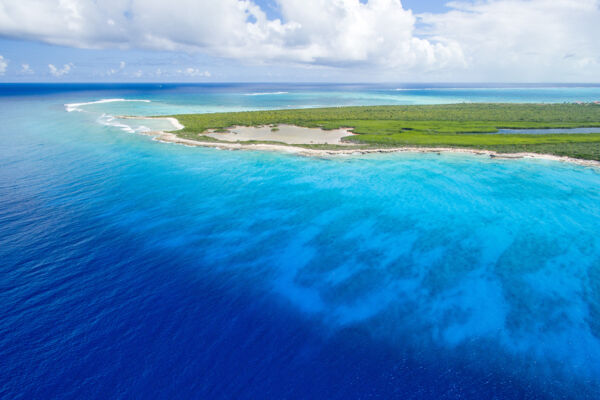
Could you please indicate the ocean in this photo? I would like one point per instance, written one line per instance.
(131, 268)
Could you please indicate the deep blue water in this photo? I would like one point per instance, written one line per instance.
(136, 269)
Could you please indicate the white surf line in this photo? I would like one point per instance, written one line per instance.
(109, 120)
(174, 121)
(77, 106)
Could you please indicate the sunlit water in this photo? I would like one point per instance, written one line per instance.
(132, 268)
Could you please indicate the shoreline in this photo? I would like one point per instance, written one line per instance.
(176, 124)
(170, 137)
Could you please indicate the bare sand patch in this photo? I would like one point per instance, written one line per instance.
(288, 134)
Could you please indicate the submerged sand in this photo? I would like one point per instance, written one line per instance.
(170, 137)
(173, 121)
(288, 134)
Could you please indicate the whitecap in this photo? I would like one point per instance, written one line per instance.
(77, 106)
(109, 120)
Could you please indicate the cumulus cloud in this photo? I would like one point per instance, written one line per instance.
(322, 32)
(347, 32)
(3, 65)
(58, 72)
(26, 69)
(473, 40)
(535, 40)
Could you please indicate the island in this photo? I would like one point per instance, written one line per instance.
(566, 131)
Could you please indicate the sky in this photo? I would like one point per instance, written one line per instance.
(299, 41)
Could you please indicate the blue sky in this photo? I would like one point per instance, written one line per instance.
(300, 40)
(417, 6)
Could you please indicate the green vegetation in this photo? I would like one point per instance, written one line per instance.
(454, 125)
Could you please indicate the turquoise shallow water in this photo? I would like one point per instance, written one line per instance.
(132, 268)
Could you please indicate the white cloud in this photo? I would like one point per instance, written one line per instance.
(322, 32)
(58, 72)
(194, 72)
(475, 40)
(138, 74)
(347, 32)
(26, 69)
(113, 71)
(535, 40)
(3, 65)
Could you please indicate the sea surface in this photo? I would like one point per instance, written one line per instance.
(131, 268)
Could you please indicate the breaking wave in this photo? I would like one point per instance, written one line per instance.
(77, 106)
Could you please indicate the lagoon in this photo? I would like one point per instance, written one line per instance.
(552, 131)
